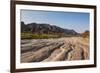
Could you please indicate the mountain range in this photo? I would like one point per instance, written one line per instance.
(43, 28)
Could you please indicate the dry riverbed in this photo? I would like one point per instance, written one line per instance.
(58, 49)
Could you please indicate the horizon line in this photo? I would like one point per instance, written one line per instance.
(54, 25)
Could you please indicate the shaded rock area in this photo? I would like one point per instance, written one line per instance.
(59, 49)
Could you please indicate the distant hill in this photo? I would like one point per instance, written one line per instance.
(85, 34)
(45, 29)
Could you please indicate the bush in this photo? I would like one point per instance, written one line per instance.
(27, 35)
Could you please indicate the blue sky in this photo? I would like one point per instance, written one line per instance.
(77, 21)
